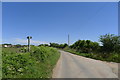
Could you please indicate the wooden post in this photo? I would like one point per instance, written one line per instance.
(68, 41)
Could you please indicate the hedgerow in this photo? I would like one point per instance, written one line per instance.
(38, 63)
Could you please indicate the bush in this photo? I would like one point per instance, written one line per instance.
(113, 57)
(111, 43)
(109, 51)
(36, 64)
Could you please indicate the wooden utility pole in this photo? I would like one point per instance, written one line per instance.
(29, 37)
(68, 40)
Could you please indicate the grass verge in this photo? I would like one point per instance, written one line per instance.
(113, 57)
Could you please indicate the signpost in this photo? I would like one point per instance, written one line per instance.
(29, 37)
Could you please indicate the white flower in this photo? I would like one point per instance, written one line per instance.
(20, 69)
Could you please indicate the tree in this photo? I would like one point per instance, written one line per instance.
(65, 45)
(111, 43)
(85, 46)
(95, 46)
(58, 45)
(43, 45)
(18, 45)
(54, 45)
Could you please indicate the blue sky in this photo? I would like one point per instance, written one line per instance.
(52, 22)
(1, 22)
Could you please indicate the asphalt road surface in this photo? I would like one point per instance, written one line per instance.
(74, 66)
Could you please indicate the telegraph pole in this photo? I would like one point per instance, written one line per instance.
(68, 40)
(29, 37)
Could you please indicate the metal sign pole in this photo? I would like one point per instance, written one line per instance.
(29, 37)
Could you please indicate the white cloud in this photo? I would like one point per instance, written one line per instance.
(35, 42)
(22, 41)
(100, 43)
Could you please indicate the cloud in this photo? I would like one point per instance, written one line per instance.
(35, 42)
(100, 43)
(22, 41)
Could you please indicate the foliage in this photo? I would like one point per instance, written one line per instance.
(11, 50)
(1, 62)
(38, 63)
(43, 45)
(109, 51)
(58, 45)
(111, 43)
(85, 46)
(113, 57)
(17, 45)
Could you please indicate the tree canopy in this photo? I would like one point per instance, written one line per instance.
(111, 43)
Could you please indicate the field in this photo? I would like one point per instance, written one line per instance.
(38, 63)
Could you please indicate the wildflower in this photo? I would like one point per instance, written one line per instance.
(20, 69)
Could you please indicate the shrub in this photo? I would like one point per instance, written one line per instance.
(36, 64)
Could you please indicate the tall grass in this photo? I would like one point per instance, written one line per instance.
(38, 63)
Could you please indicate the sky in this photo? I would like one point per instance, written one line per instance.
(0, 22)
(52, 21)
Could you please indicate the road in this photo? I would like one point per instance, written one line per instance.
(74, 66)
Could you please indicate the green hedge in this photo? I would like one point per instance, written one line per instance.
(38, 63)
(112, 57)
